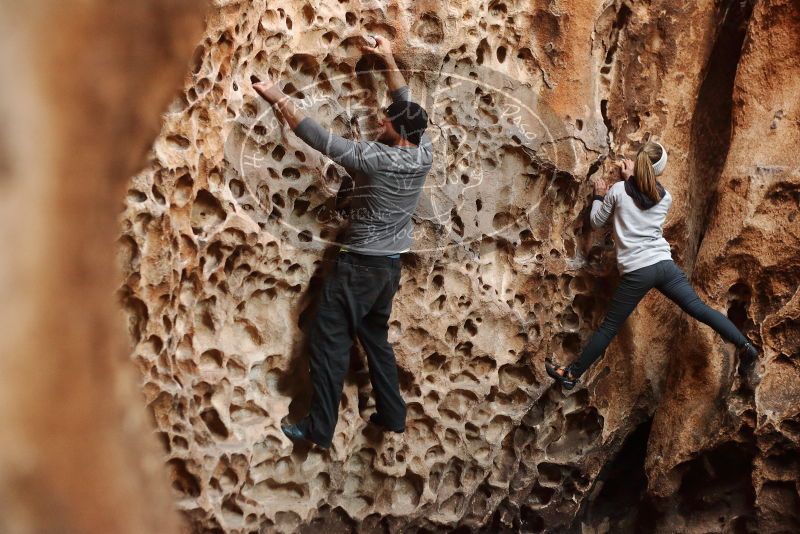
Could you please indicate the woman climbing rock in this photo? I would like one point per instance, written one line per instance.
(639, 205)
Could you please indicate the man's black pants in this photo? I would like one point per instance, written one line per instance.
(356, 300)
(672, 282)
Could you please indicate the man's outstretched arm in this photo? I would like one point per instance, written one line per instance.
(281, 102)
(383, 49)
(398, 88)
(343, 151)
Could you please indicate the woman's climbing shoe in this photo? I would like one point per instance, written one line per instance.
(748, 355)
(564, 375)
(748, 351)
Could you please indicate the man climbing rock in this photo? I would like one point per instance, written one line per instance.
(357, 296)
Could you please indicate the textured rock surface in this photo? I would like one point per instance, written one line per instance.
(224, 235)
(83, 86)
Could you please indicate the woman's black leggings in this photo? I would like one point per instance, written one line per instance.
(670, 280)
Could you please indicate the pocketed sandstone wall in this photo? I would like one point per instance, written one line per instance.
(226, 234)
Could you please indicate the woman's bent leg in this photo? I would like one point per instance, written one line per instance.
(677, 288)
(632, 288)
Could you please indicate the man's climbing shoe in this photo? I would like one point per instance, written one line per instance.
(295, 432)
(298, 432)
(376, 420)
(564, 375)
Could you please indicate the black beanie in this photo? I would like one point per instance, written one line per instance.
(409, 119)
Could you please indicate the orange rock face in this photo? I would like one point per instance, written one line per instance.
(228, 229)
(227, 233)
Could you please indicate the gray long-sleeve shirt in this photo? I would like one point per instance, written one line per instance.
(637, 232)
(382, 206)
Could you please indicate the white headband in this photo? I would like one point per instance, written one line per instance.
(659, 165)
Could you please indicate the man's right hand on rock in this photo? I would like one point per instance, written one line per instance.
(383, 47)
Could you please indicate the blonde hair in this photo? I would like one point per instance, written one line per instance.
(644, 175)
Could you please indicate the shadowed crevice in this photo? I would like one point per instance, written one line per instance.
(711, 123)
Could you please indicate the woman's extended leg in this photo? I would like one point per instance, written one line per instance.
(674, 284)
(632, 288)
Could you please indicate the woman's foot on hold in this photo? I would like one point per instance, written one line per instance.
(747, 356)
(565, 375)
(748, 351)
